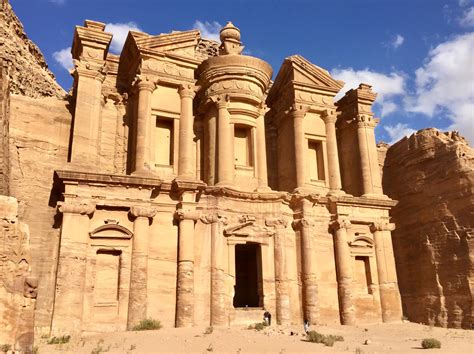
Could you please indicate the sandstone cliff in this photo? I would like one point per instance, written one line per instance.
(27, 69)
(432, 174)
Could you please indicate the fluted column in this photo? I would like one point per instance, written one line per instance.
(344, 271)
(185, 284)
(329, 118)
(186, 133)
(261, 152)
(218, 296)
(310, 281)
(137, 303)
(225, 143)
(143, 160)
(371, 182)
(283, 313)
(300, 144)
(71, 275)
(388, 285)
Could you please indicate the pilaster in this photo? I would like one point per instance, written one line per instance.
(71, 275)
(225, 143)
(389, 294)
(137, 305)
(329, 117)
(298, 113)
(186, 169)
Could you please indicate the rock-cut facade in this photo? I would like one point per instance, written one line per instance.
(178, 182)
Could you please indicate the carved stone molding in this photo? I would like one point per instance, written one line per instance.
(142, 211)
(77, 207)
(90, 69)
(298, 110)
(341, 223)
(145, 83)
(382, 226)
(277, 223)
(186, 214)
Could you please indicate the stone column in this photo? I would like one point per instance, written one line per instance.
(186, 133)
(261, 152)
(310, 281)
(143, 161)
(388, 286)
(334, 172)
(86, 134)
(185, 285)
(218, 295)
(283, 313)
(371, 182)
(300, 143)
(344, 271)
(137, 303)
(225, 141)
(71, 275)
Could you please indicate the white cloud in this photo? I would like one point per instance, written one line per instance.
(209, 30)
(386, 86)
(64, 58)
(397, 41)
(467, 19)
(120, 32)
(398, 131)
(445, 84)
(463, 2)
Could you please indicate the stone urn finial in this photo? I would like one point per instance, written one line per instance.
(230, 40)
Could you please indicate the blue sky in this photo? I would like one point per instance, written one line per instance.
(418, 54)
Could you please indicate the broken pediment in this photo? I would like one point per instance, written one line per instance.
(181, 43)
(299, 73)
(246, 228)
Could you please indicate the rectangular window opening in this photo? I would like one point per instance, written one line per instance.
(107, 278)
(243, 146)
(316, 160)
(164, 141)
(363, 275)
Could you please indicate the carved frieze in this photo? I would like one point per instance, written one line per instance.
(340, 223)
(187, 214)
(214, 218)
(277, 223)
(167, 69)
(246, 227)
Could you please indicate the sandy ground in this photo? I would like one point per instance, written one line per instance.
(395, 338)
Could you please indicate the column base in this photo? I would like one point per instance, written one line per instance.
(374, 196)
(336, 193)
(225, 184)
(263, 189)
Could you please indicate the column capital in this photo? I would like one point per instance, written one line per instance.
(145, 83)
(142, 211)
(187, 214)
(298, 111)
(91, 70)
(366, 121)
(298, 224)
(277, 223)
(214, 218)
(382, 226)
(221, 101)
(187, 90)
(329, 116)
(77, 207)
(341, 224)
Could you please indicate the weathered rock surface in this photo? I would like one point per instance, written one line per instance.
(27, 69)
(432, 174)
(17, 286)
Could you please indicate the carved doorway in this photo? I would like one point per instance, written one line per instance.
(248, 276)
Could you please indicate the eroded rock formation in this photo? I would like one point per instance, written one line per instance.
(17, 286)
(28, 72)
(431, 174)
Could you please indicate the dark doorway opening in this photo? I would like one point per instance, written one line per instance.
(248, 274)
